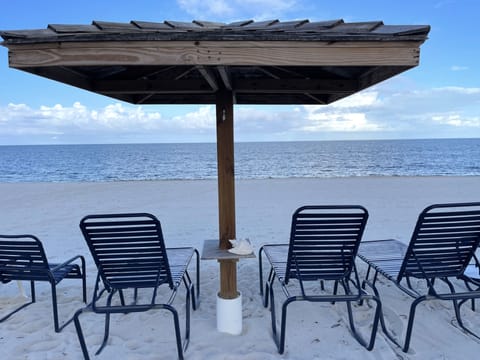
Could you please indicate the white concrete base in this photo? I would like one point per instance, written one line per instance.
(229, 315)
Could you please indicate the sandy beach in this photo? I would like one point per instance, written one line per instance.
(188, 213)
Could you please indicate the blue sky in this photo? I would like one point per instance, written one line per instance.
(438, 99)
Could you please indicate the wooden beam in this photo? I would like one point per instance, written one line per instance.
(226, 172)
(316, 99)
(228, 279)
(208, 76)
(190, 86)
(225, 76)
(258, 85)
(226, 191)
(251, 53)
(295, 86)
(376, 75)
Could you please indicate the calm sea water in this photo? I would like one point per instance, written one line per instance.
(74, 163)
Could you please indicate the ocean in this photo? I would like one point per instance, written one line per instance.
(259, 160)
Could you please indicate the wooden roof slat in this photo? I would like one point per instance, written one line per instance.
(65, 28)
(287, 25)
(320, 25)
(183, 25)
(209, 24)
(355, 27)
(323, 24)
(238, 24)
(115, 26)
(25, 34)
(259, 25)
(402, 29)
(148, 25)
(271, 30)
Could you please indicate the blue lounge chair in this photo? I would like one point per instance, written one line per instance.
(323, 244)
(22, 257)
(130, 254)
(441, 247)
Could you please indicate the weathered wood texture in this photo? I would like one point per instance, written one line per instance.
(225, 164)
(258, 54)
(228, 279)
(226, 191)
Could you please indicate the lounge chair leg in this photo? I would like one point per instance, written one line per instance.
(105, 334)
(335, 290)
(197, 271)
(122, 298)
(472, 300)
(369, 346)
(283, 325)
(177, 330)
(84, 280)
(273, 318)
(456, 306)
(460, 321)
(268, 285)
(411, 318)
(382, 319)
(32, 290)
(367, 274)
(54, 305)
(280, 342)
(187, 318)
(81, 338)
(191, 289)
(260, 269)
(194, 297)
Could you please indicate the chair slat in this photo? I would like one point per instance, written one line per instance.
(324, 241)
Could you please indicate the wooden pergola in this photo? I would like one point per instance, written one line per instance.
(246, 62)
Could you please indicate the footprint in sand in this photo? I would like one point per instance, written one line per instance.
(31, 327)
(40, 346)
(393, 321)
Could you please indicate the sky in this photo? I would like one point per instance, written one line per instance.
(440, 98)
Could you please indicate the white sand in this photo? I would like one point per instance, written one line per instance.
(188, 212)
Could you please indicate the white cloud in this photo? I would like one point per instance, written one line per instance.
(339, 122)
(379, 112)
(202, 119)
(208, 8)
(458, 68)
(368, 98)
(457, 120)
(236, 9)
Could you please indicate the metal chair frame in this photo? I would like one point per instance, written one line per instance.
(130, 253)
(442, 245)
(323, 244)
(23, 258)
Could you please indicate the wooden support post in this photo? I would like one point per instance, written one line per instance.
(226, 191)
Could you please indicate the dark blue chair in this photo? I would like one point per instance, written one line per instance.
(22, 257)
(323, 244)
(442, 245)
(130, 254)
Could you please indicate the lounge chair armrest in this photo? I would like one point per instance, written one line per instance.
(59, 266)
